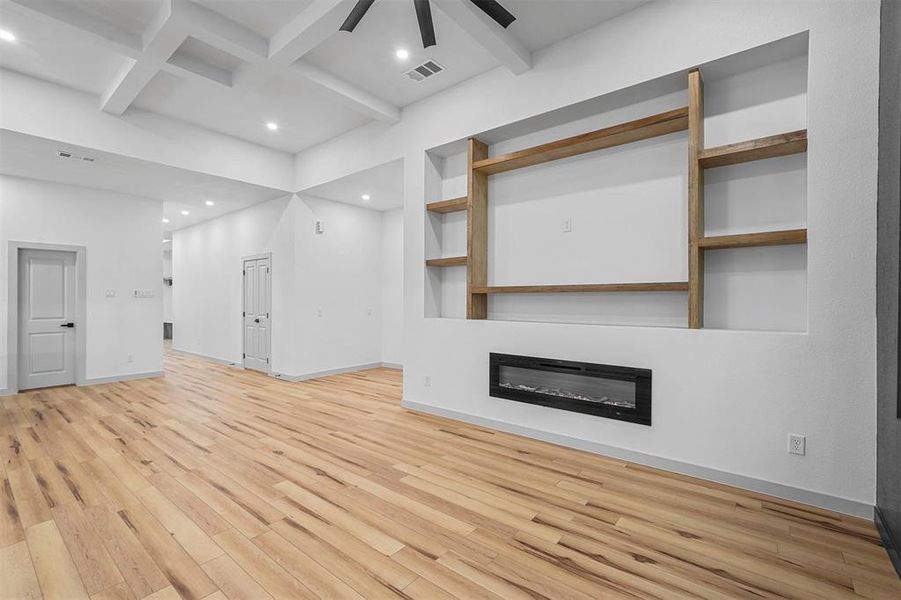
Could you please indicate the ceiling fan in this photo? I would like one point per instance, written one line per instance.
(492, 8)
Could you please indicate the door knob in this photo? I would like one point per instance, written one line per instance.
(256, 320)
(69, 325)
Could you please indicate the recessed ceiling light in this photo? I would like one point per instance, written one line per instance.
(165, 220)
(272, 126)
(186, 212)
(365, 196)
(402, 54)
(7, 36)
(209, 203)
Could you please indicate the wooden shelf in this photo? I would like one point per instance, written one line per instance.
(624, 133)
(750, 240)
(759, 149)
(669, 286)
(452, 261)
(447, 206)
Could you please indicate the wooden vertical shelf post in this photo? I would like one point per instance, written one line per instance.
(476, 233)
(695, 200)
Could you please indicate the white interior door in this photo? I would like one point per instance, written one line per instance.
(46, 318)
(257, 330)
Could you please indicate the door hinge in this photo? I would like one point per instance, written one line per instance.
(243, 314)
(244, 273)
(267, 315)
(243, 355)
(267, 269)
(267, 361)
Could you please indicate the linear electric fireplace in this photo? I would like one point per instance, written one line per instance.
(622, 393)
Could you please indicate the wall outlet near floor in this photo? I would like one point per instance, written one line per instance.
(427, 381)
(131, 358)
(320, 227)
(797, 444)
(110, 293)
(568, 225)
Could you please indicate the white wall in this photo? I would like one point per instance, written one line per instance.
(723, 400)
(207, 281)
(327, 290)
(338, 299)
(392, 281)
(121, 235)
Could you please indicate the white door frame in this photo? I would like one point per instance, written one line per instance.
(243, 259)
(12, 312)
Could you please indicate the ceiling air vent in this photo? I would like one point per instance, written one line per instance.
(65, 154)
(424, 71)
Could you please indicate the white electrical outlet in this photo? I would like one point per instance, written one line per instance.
(131, 358)
(318, 312)
(110, 293)
(567, 225)
(797, 444)
(427, 381)
(320, 228)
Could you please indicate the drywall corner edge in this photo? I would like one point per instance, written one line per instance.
(818, 499)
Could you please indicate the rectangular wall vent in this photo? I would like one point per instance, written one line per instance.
(424, 71)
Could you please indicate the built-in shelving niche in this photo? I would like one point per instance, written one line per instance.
(628, 205)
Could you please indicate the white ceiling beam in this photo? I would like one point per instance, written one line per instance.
(161, 40)
(100, 30)
(221, 32)
(488, 34)
(311, 27)
(352, 95)
(177, 19)
(132, 78)
(234, 38)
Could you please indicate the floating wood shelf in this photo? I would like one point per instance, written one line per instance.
(690, 118)
(759, 149)
(750, 240)
(451, 261)
(669, 286)
(624, 133)
(447, 206)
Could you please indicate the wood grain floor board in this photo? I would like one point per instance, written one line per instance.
(213, 482)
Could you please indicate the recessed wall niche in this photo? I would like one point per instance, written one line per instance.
(620, 214)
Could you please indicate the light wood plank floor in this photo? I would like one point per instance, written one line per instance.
(212, 482)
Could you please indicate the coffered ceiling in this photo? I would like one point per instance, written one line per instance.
(234, 65)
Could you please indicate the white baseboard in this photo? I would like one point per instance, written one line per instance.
(391, 365)
(99, 380)
(819, 499)
(327, 372)
(126, 377)
(215, 359)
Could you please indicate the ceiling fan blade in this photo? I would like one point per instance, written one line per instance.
(493, 9)
(426, 27)
(353, 19)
